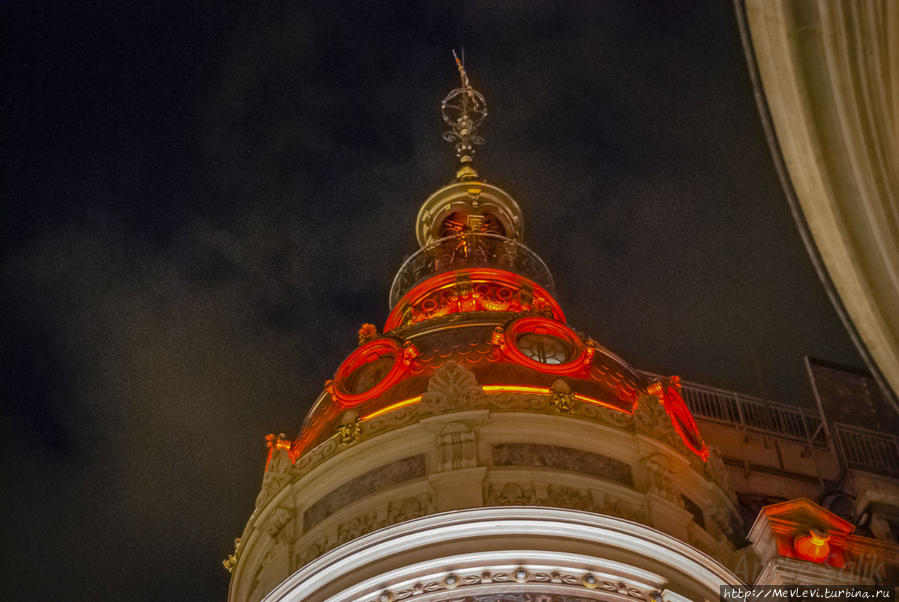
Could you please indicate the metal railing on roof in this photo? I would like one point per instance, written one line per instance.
(868, 450)
(858, 448)
(750, 413)
(465, 251)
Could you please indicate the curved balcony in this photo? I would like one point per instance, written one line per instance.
(465, 251)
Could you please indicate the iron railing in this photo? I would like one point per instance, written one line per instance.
(868, 450)
(469, 250)
(750, 413)
(857, 448)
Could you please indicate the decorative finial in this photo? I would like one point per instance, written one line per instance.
(463, 110)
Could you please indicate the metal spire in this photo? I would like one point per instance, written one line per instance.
(463, 110)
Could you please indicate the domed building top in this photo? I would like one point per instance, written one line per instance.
(477, 442)
(475, 296)
(476, 447)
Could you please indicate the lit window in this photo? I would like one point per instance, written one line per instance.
(544, 348)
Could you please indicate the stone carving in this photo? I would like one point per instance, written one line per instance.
(620, 588)
(453, 380)
(660, 481)
(723, 520)
(511, 494)
(517, 401)
(651, 419)
(311, 552)
(568, 497)
(408, 509)
(613, 506)
(314, 457)
(615, 418)
(391, 420)
(559, 496)
(358, 526)
(231, 561)
(562, 400)
(573, 579)
(277, 473)
(562, 458)
(279, 518)
(451, 387)
(349, 430)
(458, 447)
(367, 333)
(715, 469)
(366, 484)
(455, 387)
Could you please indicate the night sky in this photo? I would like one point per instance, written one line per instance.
(203, 202)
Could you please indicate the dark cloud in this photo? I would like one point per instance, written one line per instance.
(206, 201)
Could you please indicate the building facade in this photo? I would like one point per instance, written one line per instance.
(479, 448)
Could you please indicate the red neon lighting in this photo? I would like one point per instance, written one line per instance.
(681, 418)
(534, 324)
(471, 289)
(369, 352)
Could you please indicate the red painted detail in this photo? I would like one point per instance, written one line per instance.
(681, 418)
(471, 289)
(377, 349)
(535, 324)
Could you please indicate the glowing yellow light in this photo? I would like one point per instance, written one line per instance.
(597, 402)
(516, 389)
(391, 407)
(546, 391)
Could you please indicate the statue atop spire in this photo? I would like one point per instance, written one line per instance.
(463, 110)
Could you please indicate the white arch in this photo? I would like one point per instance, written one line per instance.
(396, 557)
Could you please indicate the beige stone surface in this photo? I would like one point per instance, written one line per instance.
(830, 73)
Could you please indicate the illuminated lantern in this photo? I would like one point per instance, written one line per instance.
(814, 545)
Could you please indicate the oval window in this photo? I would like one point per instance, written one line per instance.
(545, 345)
(369, 371)
(544, 348)
(368, 375)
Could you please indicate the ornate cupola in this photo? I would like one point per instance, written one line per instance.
(479, 445)
(468, 205)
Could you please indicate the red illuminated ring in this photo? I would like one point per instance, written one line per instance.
(357, 360)
(550, 327)
(684, 423)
